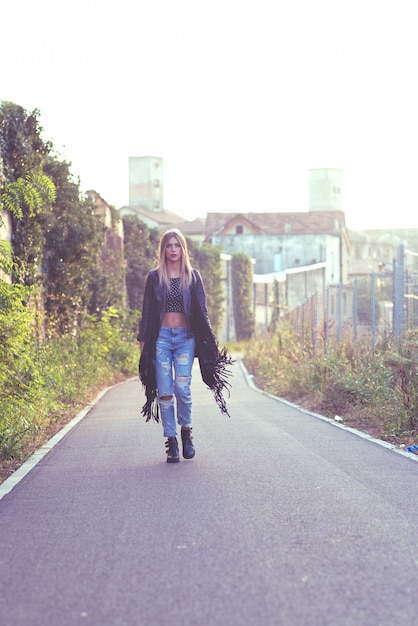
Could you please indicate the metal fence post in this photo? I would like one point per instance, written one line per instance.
(401, 287)
(339, 312)
(317, 322)
(326, 318)
(373, 307)
(355, 307)
(396, 300)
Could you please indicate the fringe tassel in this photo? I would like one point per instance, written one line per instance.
(222, 385)
(215, 374)
(150, 409)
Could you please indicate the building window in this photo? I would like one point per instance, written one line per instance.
(156, 204)
(156, 182)
(239, 229)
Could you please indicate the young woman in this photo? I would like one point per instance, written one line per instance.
(174, 328)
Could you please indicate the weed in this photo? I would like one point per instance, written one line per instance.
(375, 390)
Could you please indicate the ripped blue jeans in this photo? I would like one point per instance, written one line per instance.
(174, 361)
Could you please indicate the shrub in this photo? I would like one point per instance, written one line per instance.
(242, 285)
(42, 384)
(19, 376)
(374, 389)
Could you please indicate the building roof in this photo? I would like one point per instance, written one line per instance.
(195, 227)
(279, 223)
(162, 218)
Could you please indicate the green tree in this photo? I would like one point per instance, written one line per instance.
(56, 235)
(73, 239)
(28, 195)
(141, 249)
(242, 286)
(22, 146)
(26, 192)
(108, 289)
(207, 259)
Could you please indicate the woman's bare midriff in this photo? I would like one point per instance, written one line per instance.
(174, 320)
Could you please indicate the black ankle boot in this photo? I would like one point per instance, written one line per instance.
(172, 450)
(187, 441)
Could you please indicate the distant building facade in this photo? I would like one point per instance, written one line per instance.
(283, 241)
(297, 254)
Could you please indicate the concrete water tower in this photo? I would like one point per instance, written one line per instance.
(146, 183)
(325, 190)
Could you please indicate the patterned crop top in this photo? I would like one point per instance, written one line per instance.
(174, 298)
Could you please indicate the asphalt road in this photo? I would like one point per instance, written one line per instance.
(281, 519)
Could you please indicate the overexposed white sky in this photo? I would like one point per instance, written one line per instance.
(239, 97)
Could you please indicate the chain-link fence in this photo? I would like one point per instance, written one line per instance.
(367, 307)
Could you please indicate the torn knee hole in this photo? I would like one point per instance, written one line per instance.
(183, 359)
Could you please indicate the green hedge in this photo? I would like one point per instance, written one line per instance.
(242, 286)
(39, 384)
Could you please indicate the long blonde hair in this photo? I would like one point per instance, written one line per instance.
(186, 270)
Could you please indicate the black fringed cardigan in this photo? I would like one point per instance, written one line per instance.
(213, 362)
